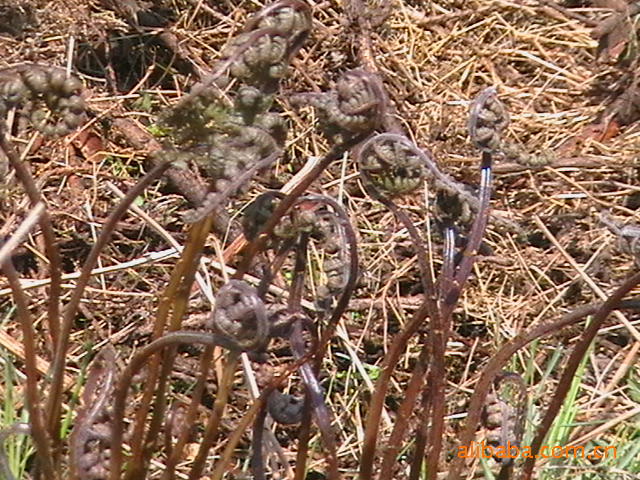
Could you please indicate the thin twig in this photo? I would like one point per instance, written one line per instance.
(25, 227)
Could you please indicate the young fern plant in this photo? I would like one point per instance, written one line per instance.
(239, 139)
(226, 127)
(52, 102)
(320, 219)
(230, 142)
(492, 373)
(391, 165)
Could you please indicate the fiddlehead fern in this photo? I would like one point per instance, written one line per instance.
(355, 106)
(46, 96)
(291, 17)
(391, 163)
(231, 140)
(311, 218)
(264, 58)
(503, 414)
(335, 265)
(487, 120)
(90, 439)
(240, 317)
(260, 56)
(314, 215)
(333, 234)
(285, 408)
(395, 166)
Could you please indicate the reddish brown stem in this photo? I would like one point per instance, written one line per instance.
(382, 385)
(394, 443)
(36, 420)
(314, 393)
(422, 436)
(138, 361)
(192, 248)
(431, 309)
(304, 434)
(180, 304)
(190, 415)
(50, 244)
(257, 445)
(442, 330)
(211, 430)
(54, 402)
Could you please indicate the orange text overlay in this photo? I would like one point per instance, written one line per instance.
(482, 450)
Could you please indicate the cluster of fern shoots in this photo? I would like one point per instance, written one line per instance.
(228, 129)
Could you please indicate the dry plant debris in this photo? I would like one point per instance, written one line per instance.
(566, 71)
